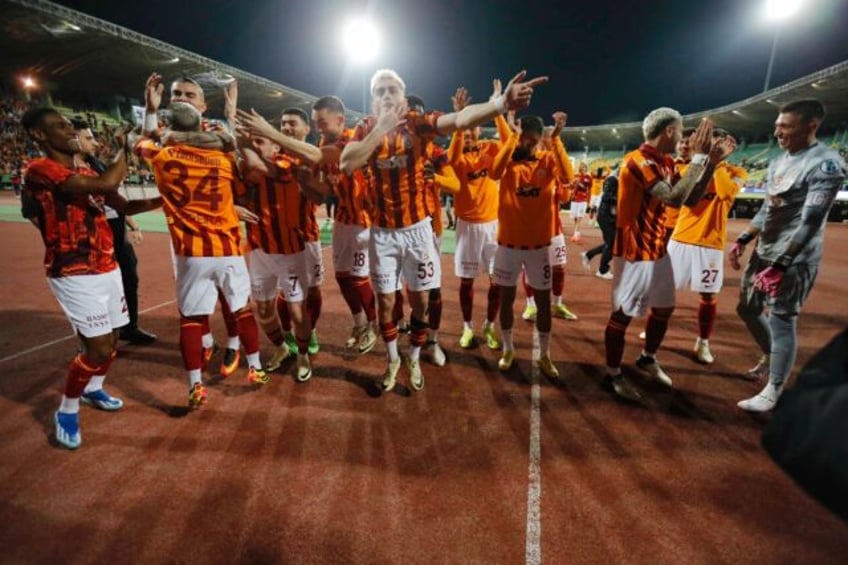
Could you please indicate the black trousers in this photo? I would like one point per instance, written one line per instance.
(125, 255)
(607, 225)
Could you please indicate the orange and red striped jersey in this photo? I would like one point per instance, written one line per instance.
(396, 170)
(77, 238)
(286, 216)
(527, 192)
(705, 223)
(197, 188)
(350, 190)
(580, 187)
(640, 232)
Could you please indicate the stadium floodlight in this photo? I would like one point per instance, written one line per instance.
(361, 41)
(781, 9)
(777, 11)
(28, 83)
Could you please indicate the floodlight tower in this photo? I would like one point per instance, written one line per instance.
(361, 40)
(778, 11)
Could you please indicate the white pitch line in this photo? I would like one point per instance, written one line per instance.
(533, 549)
(72, 336)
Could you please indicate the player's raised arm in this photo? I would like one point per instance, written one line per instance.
(516, 96)
(252, 123)
(355, 154)
(565, 169)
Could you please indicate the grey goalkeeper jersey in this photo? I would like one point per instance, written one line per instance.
(801, 189)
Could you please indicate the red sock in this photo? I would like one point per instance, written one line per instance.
(248, 331)
(283, 312)
(204, 326)
(80, 372)
(229, 317)
(494, 304)
(418, 332)
(528, 290)
(614, 341)
(389, 331)
(366, 296)
(466, 298)
(434, 308)
(314, 302)
(655, 331)
(191, 344)
(349, 293)
(558, 283)
(397, 313)
(302, 344)
(706, 317)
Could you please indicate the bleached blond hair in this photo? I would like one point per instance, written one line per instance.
(386, 73)
(659, 119)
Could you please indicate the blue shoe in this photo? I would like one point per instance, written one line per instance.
(68, 429)
(102, 399)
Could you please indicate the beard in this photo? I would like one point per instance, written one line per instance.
(522, 154)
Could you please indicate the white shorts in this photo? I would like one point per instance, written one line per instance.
(407, 252)
(272, 272)
(536, 262)
(350, 249)
(639, 285)
(476, 245)
(557, 251)
(200, 278)
(94, 304)
(578, 210)
(314, 264)
(700, 268)
(595, 201)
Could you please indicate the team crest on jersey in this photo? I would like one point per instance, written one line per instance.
(528, 192)
(829, 167)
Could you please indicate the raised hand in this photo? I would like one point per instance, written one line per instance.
(560, 119)
(722, 148)
(391, 118)
(497, 90)
(519, 92)
(252, 123)
(460, 99)
(513, 124)
(153, 89)
(121, 136)
(231, 100)
(702, 140)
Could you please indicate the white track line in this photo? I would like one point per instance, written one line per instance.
(533, 549)
(72, 336)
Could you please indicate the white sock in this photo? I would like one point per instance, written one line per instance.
(415, 353)
(613, 371)
(434, 335)
(69, 405)
(506, 340)
(194, 377)
(392, 350)
(651, 355)
(558, 300)
(233, 343)
(545, 344)
(253, 360)
(208, 340)
(467, 326)
(96, 383)
(360, 319)
(531, 301)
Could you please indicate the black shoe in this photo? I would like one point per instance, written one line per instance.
(137, 336)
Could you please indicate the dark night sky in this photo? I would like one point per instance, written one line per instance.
(607, 62)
